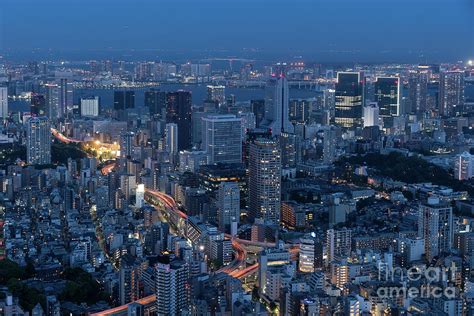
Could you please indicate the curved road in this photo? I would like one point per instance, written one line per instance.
(63, 138)
(170, 204)
(233, 269)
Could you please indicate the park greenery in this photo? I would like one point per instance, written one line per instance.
(80, 287)
(406, 169)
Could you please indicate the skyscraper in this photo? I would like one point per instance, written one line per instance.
(277, 106)
(65, 97)
(338, 244)
(52, 101)
(228, 204)
(171, 135)
(126, 144)
(417, 92)
(288, 144)
(349, 99)
(124, 100)
(38, 141)
(178, 110)
(265, 180)
(172, 290)
(38, 104)
(222, 138)
(128, 279)
(329, 144)
(3, 102)
(155, 101)
(435, 226)
(216, 94)
(258, 109)
(463, 166)
(387, 96)
(451, 93)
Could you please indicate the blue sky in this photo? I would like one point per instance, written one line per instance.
(440, 29)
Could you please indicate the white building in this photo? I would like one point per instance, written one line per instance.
(171, 132)
(3, 102)
(307, 255)
(463, 166)
(139, 195)
(216, 94)
(90, 106)
(435, 226)
(371, 115)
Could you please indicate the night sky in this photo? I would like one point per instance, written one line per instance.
(345, 29)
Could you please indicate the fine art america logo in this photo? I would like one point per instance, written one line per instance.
(417, 282)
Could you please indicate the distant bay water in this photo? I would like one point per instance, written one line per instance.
(199, 93)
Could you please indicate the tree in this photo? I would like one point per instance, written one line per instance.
(81, 287)
(9, 270)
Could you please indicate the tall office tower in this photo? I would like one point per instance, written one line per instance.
(222, 138)
(329, 96)
(196, 126)
(38, 104)
(65, 98)
(228, 204)
(299, 110)
(288, 146)
(178, 110)
(258, 109)
(311, 254)
(171, 136)
(128, 279)
(216, 94)
(52, 101)
(126, 144)
(265, 180)
(155, 101)
(338, 244)
(463, 166)
(277, 106)
(124, 100)
(329, 144)
(3, 102)
(349, 99)
(38, 141)
(371, 114)
(417, 92)
(451, 93)
(387, 96)
(172, 289)
(435, 226)
(90, 106)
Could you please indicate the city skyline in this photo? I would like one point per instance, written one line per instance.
(236, 158)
